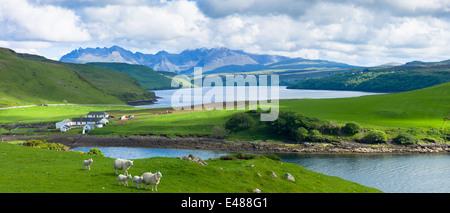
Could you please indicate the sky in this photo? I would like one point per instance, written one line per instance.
(356, 32)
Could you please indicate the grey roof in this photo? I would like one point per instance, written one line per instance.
(97, 113)
(86, 119)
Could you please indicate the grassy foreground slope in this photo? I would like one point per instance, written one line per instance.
(33, 170)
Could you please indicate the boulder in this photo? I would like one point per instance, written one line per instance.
(289, 177)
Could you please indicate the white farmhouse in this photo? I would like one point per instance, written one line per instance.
(63, 123)
(97, 115)
(84, 121)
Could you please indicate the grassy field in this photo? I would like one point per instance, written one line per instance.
(34, 170)
(423, 109)
(51, 113)
(420, 108)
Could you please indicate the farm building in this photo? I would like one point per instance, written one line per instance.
(84, 121)
(97, 115)
(63, 123)
(65, 128)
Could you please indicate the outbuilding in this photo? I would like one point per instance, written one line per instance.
(63, 123)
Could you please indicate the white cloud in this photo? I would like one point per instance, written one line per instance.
(358, 32)
(162, 22)
(25, 21)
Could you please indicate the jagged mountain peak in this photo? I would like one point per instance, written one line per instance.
(210, 59)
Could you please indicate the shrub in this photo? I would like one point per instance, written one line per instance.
(238, 122)
(375, 136)
(34, 143)
(288, 122)
(351, 128)
(330, 127)
(95, 151)
(405, 138)
(315, 135)
(300, 134)
(218, 132)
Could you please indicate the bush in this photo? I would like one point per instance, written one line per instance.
(34, 143)
(405, 138)
(288, 122)
(300, 134)
(218, 132)
(375, 136)
(315, 135)
(238, 122)
(351, 128)
(330, 127)
(95, 151)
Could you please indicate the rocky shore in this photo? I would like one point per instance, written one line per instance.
(73, 141)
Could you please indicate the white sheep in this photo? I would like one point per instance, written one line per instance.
(124, 179)
(121, 164)
(151, 179)
(87, 164)
(138, 180)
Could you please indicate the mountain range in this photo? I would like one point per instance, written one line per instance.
(214, 60)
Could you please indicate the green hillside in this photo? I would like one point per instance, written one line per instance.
(24, 82)
(112, 82)
(411, 76)
(419, 108)
(29, 80)
(37, 170)
(145, 76)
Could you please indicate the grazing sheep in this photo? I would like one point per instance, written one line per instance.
(151, 179)
(121, 164)
(87, 163)
(138, 180)
(124, 179)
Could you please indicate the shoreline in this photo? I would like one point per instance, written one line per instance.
(74, 141)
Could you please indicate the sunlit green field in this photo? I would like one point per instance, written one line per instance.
(51, 113)
(35, 170)
(425, 108)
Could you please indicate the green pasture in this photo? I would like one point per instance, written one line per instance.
(35, 170)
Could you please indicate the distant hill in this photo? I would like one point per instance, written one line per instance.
(215, 60)
(145, 76)
(410, 76)
(29, 79)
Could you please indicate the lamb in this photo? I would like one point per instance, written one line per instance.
(151, 179)
(121, 164)
(124, 179)
(138, 180)
(87, 164)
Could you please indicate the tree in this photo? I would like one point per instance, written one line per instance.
(238, 122)
(300, 134)
(315, 135)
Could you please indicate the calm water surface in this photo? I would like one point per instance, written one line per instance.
(388, 173)
(242, 94)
